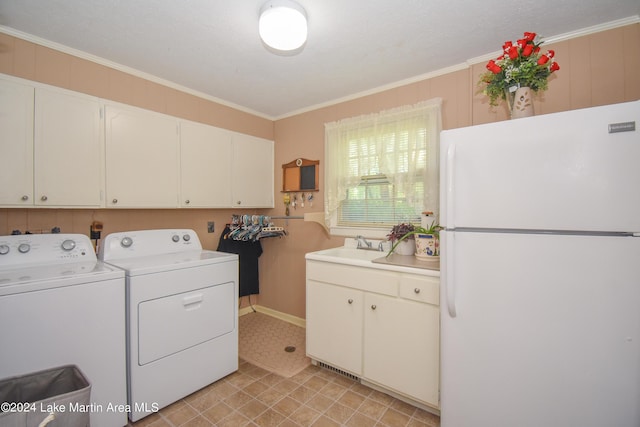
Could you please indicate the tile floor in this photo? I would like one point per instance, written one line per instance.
(262, 342)
(254, 396)
(315, 397)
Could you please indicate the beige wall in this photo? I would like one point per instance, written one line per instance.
(596, 69)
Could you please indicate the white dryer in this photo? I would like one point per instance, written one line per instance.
(59, 305)
(182, 314)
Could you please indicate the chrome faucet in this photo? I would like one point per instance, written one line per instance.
(363, 243)
(367, 245)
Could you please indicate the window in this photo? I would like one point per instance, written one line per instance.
(382, 169)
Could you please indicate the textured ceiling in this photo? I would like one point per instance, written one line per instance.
(212, 47)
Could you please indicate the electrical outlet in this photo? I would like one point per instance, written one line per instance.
(210, 227)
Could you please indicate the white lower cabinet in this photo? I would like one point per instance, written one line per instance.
(381, 326)
(401, 346)
(334, 325)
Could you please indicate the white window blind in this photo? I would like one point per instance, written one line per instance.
(382, 169)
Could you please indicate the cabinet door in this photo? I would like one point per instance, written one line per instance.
(334, 325)
(142, 159)
(401, 344)
(16, 144)
(205, 166)
(252, 172)
(68, 150)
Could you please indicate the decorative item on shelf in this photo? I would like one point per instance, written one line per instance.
(425, 240)
(517, 74)
(300, 175)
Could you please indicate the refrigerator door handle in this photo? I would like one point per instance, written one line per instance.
(447, 275)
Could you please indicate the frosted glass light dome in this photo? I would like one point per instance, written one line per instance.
(283, 25)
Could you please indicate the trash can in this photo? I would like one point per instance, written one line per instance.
(57, 397)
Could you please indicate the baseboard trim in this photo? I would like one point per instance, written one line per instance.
(274, 313)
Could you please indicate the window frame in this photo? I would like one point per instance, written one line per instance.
(432, 127)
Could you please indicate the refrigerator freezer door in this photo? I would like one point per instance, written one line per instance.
(545, 330)
(561, 171)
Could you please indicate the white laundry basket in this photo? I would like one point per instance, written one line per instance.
(56, 397)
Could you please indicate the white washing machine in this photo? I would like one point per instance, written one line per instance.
(59, 305)
(182, 314)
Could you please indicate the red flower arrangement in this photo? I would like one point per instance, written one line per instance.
(520, 65)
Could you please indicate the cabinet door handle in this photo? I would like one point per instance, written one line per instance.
(44, 198)
(25, 198)
(114, 201)
(373, 306)
(350, 301)
(416, 290)
(187, 201)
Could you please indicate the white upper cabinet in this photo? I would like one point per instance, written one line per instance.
(60, 148)
(142, 158)
(205, 166)
(68, 150)
(16, 143)
(252, 172)
(51, 147)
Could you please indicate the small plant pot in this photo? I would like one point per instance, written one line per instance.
(405, 247)
(427, 246)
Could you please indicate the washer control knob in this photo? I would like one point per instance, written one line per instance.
(175, 238)
(126, 242)
(4, 249)
(24, 248)
(186, 237)
(68, 245)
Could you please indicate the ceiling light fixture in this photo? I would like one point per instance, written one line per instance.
(283, 26)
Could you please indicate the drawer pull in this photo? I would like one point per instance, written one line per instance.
(373, 307)
(416, 290)
(350, 301)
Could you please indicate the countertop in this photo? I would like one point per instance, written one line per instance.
(409, 261)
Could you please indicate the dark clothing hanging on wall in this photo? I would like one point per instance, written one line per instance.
(248, 253)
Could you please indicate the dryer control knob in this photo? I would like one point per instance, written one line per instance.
(24, 248)
(68, 245)
(126, 242)
(4, 249)
(175, 238)
(186, 237)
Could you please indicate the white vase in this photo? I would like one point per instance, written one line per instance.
(522, 103)
(406, 247)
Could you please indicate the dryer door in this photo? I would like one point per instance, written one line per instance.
(174, 323)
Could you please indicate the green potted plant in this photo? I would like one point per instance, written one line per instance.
(402, 233)
(412, 232)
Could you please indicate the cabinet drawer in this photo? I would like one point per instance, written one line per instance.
(420, 288)
(366, 279)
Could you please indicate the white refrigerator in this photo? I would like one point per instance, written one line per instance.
(540, 271)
